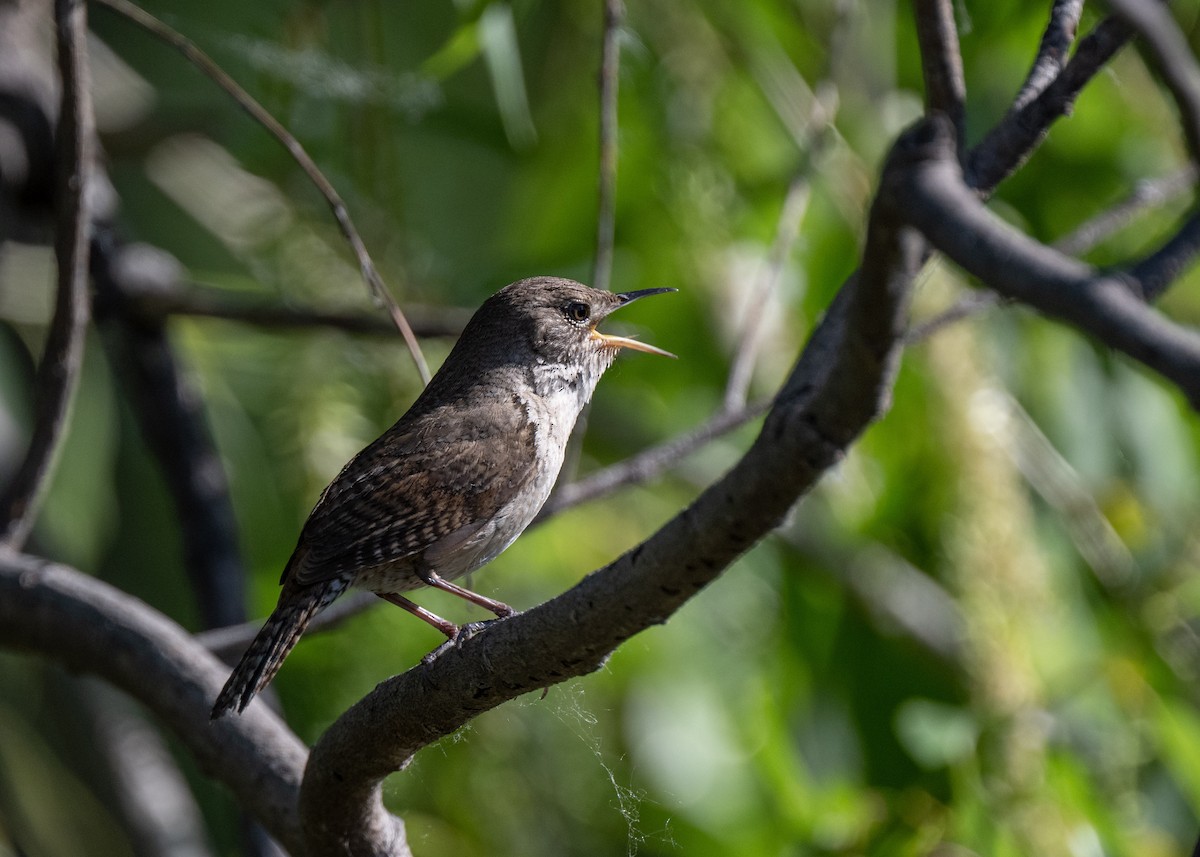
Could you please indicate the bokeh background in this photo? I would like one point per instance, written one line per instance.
(978, 635)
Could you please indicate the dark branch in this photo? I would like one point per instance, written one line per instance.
(1052, 52)
(1171, 57)
(58, 373)
(260, 114)
(86, 625)
(153, 290)
(941, 61)
(956, 222)
(1008, 145)
(1160, 269)
(173, 422)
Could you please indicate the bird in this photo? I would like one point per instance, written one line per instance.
(458, 477)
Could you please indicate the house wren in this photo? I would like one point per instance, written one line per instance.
(459, 477)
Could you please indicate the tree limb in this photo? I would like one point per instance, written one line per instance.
(956, 222)
(1171, 57)
(87, 625)
(58, 373)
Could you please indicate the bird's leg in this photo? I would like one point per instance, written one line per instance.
(431, 578)
(448, 628)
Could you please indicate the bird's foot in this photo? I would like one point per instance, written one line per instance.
(460, 636)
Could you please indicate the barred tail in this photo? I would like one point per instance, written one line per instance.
(272, 644)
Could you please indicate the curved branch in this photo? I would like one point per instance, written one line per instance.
(841, 383)
(1171, 58)
(89, 626)
(957, 223)
(1155, 273)
(58, 373)
(260, 114)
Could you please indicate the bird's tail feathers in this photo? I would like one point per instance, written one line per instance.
(272, 644)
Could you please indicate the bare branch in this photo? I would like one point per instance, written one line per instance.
(648, 464)
(954, 219)
(1052, 52)
(841, 383)
(259, 113)
(229, 642)
(968, 306)
(89, 626)
(787, 230)
(1171, 57)
(152, 289)
(1008, 145)
(1155, 273)
(1145, 194)
(58, 373)
(941, 61)
(610, 62)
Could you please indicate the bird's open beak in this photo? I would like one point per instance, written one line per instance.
(612, 341)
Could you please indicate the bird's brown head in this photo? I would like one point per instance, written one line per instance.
(549, 320)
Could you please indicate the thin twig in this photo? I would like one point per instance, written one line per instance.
(969, 305)
(1146, 193)
(649, 463)
(610, 60)
(58, 373)
(229, 642)
(1052, 52)
(217, 75)
(786, 231)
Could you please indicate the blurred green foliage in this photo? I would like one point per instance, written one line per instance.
(977, 636)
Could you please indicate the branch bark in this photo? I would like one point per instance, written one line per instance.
(58, 373)
(956, 222)
(86, 625)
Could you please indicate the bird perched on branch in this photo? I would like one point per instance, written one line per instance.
(458, 477)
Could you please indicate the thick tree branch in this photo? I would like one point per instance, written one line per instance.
(260, 114)
(86, 625)
(58, 373)
(955, 221)
(841, 383)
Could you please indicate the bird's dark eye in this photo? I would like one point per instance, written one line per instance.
(577, 311)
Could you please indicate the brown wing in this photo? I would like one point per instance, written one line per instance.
(414, 486)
